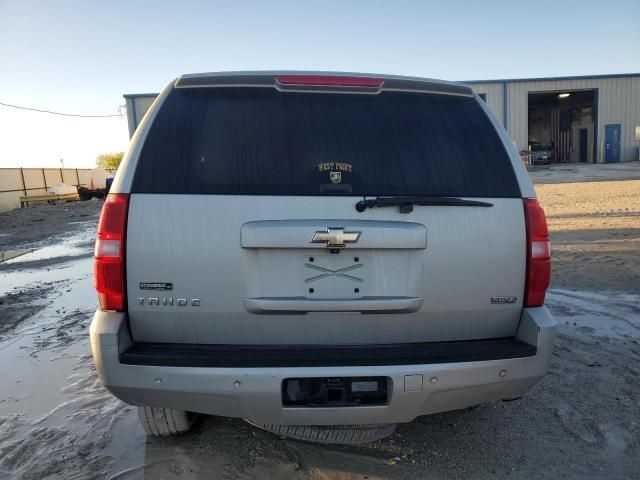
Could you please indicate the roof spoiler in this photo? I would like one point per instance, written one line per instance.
(334, 82)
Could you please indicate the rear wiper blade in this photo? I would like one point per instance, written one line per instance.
(406, 203)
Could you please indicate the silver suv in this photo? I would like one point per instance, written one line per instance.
(316, 249)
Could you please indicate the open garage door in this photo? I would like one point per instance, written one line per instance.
(562, 126)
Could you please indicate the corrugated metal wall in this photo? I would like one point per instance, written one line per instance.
(36, 181)
(618, 102)
(494, 95)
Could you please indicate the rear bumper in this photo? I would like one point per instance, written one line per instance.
(255, 393)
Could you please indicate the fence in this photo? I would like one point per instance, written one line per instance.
(18, 182)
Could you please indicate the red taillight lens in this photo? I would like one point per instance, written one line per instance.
(329, 81)
(109, 252)
(538, 254)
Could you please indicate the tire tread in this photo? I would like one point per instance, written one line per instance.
(336, 434)
(164, 422)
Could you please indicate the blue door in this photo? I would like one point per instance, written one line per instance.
(612, 142)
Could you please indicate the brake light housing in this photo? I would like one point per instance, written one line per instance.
(329, 81)
(538, 276)
(109, 255)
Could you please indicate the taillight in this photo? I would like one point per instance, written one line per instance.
(538, 254)
(109, 253)
(329, 81)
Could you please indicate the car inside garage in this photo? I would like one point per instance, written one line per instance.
(562, 126)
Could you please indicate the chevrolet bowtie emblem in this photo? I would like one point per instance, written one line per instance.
(335, 237)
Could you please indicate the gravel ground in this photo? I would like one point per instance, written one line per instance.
(581, 421)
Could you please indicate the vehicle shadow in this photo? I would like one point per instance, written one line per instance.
(230, 448)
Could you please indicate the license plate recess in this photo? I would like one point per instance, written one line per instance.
(334, 392)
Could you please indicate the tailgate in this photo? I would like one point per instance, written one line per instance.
(237, 275)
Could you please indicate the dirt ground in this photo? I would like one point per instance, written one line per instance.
(595, 233)
(581, 421)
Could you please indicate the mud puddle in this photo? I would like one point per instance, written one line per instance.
(62, 261)
(612, 315)
(56, 420)
(43, 350)
(46, 253)
(72, 245)
(33, 278)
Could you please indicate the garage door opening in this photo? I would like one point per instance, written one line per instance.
(562, 126)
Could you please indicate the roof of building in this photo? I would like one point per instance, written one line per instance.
(138, 95)
(549, 79)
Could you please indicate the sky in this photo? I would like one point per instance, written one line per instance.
(80, 57)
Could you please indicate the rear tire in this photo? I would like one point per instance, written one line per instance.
(164, 422)
(336, 434)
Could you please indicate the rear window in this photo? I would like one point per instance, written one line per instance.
(259, 141)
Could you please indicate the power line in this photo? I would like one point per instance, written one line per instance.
(59, 113)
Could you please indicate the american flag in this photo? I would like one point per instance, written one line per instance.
(561, 134)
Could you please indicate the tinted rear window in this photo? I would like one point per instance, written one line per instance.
(259, 141)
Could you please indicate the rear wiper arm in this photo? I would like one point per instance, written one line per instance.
(406, 203)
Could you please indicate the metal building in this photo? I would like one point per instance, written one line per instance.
(592, 119)
(598, 116)
(137, 106)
